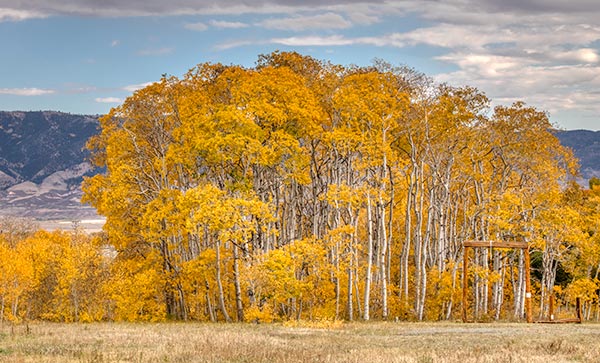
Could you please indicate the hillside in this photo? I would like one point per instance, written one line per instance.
(42, 162)
(586, 146)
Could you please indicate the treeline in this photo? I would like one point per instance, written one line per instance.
(56, 276)
(300, 189)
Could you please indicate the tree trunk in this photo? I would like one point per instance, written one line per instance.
(519, 289)
(209, 305)
(367, 295)
(238, 290)
(220, 284)
(349, 307)
(383, 260)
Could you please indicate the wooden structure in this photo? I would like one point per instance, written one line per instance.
(497, 244)
(551, 320)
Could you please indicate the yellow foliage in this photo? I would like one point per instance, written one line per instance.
(258, 314)
(586, 289)
(135, 290)
(444, 290)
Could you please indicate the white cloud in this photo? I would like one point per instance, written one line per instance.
(12, 14)
(239, 43)
(299, 23)
(228, 24)
(196, 26)
(363, 18)
(26, 91)
(518, 35)
(131, 8)
(485, 65)
(134, 87)
(583, 55)
(114, 43)
(318, 41)
(310, 41)
(108, 100)
(338, 40)
(548, 87)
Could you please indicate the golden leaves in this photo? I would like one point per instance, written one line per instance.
(52, 275)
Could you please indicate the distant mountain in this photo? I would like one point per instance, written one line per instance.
(586, 147)
(42, 163)
(34, 145)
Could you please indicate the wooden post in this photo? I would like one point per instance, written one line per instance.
(551, 307)
(528, 313)
(465, 282)
(496, 244)
(578, 310)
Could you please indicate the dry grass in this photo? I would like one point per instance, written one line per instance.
(356, 342)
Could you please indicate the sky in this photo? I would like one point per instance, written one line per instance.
(86, 56)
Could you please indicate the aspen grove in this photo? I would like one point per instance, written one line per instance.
(301, 189)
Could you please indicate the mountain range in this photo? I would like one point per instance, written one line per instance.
(586, 147)
(43, 161)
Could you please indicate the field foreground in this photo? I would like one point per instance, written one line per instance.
(353, 342)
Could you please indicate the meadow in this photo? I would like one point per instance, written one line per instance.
(300, 342)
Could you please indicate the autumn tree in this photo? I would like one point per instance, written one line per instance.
(300, 188)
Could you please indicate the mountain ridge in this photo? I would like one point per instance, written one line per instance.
(42, 163)
(35, 144)
(586, 147)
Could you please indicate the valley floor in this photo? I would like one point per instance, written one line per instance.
(300, 342)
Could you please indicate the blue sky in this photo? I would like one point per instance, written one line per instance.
(86, 56)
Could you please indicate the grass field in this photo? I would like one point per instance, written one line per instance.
(352, 342)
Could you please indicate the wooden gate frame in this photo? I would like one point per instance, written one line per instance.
(497, 244)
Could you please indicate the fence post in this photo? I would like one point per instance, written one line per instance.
(465, 283)
(528, 286)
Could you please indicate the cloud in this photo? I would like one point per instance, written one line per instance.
(134, 87)
(549, 87)
(155, 52)
(26, 91)
(519, 35)
(363, 18)
(217, 24)
(391, 40)
(486, 65)
(583, 55)
(108, 100)
(196, 26)
(299, 23)
(114, 43)
(228, 24)
(240, 43)
(99, 8)
(493, 12)
(310, 41)
(478, 11)
(16, 14)
(537, 6)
